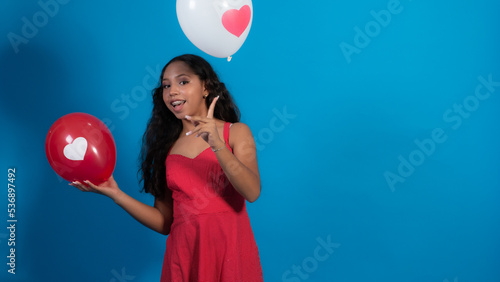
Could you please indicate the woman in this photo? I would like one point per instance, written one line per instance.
(199, 193)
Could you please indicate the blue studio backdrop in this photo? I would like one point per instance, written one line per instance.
(376, 125)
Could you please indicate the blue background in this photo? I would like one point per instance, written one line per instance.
(353, 120)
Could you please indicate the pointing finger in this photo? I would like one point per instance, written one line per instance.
(212, 107)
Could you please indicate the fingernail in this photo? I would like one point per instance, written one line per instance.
(187, 117)
(217, 96)
(188, 133)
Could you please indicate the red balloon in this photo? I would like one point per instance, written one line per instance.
(80, 147)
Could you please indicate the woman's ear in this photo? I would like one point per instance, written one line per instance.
(205, 91)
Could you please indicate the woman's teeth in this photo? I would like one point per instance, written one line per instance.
(177, 103)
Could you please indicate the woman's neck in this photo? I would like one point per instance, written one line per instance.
(188, 125)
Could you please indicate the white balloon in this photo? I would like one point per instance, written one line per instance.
(217, 27)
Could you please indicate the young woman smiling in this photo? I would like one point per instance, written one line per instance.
(200, 164)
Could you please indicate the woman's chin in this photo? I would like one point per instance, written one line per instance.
(180, 115)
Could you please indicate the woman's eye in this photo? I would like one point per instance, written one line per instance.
(165, 86)
(184, 82)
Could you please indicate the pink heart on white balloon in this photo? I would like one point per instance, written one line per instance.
(236, 21)
(76, 150)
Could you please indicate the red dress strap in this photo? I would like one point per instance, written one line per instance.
(227, 125)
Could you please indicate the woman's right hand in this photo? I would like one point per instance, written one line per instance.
(159, 218)
(108, 188)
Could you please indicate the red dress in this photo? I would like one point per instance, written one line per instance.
(210, 238)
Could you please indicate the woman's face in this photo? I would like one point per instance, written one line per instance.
(183, 91)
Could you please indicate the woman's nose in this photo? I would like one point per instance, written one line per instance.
(174, 90)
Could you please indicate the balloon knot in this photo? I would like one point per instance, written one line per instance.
(229, 58)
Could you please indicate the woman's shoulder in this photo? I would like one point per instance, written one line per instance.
(239, 127)
(239, 133)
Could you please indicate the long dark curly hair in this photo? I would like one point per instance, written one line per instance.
(164, 128)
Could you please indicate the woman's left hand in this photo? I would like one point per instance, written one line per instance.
(206, 128)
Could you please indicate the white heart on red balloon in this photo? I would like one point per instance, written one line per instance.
(76, 150)
(236, 21)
